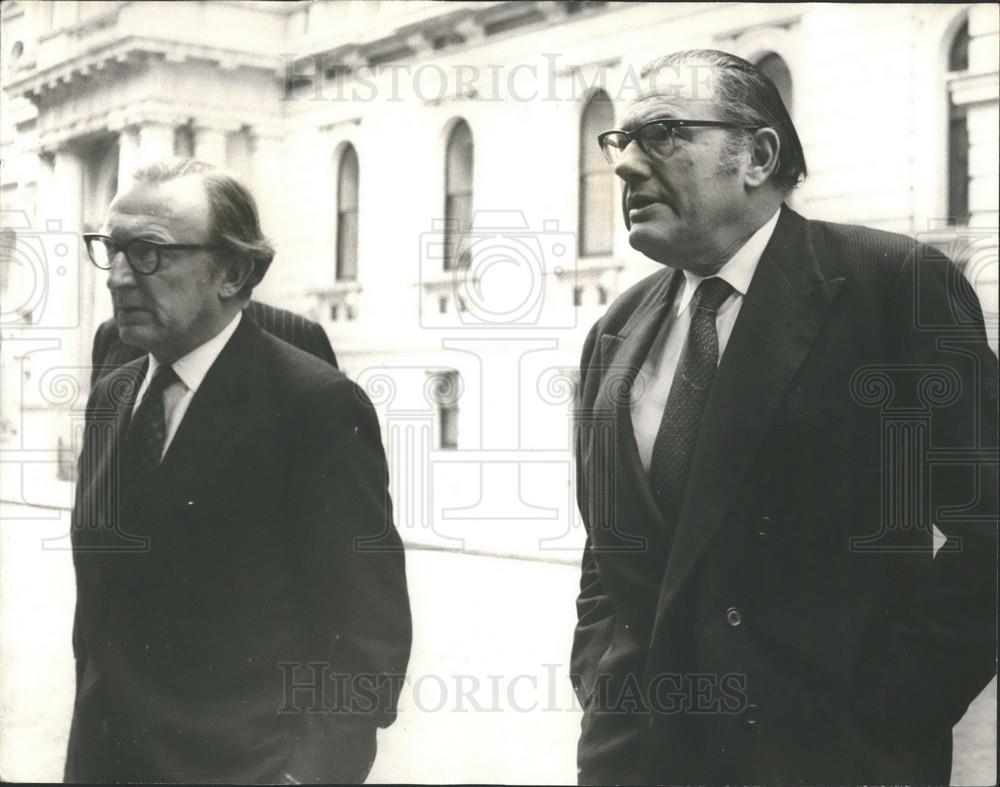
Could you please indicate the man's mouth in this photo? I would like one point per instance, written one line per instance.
(128, 313)
(638, 202)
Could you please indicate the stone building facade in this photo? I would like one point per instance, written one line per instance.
(429, 176)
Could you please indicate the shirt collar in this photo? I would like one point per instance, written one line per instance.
(741, 266)
(192, 368)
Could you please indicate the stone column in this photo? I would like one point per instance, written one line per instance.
(265, 180)
(210, 143)
(59, 327)
(156, 141)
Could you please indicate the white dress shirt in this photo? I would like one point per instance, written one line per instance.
(655, 378)
(191, 369)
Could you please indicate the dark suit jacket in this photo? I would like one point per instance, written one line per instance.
(109, 352)
(242, 617)
(797, 629)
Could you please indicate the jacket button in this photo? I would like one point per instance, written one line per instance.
(733, 617)
(763, 526)
(751, 716)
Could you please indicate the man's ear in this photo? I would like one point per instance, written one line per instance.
(237, 269)
(763, 157)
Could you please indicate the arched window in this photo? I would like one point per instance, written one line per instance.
(458, 194)
(775, 68)
(958, 133)
(347, 216)
(597, 181)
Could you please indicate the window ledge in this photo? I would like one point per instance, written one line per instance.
(338, 301)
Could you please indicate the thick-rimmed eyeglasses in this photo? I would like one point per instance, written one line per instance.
(143, 256)
(656, 138)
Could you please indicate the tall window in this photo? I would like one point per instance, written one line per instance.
(597, 181)
(445, 390)
(958, 133)
(458, 195)
(347, 216)
(776, 69)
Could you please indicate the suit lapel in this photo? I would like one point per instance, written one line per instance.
(786, 305)
(622, 357)
(217, 409)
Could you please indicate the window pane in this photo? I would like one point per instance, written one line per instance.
(347, 245)
(347, 182)
(958, 57)
(458, 193)
(597, 117)
(449, 427)
(458, 159)
(958, 166)
(458, 221)
(597, 186)
(347, 216)
(597, 204)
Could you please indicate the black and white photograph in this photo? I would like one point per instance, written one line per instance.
(499, 392)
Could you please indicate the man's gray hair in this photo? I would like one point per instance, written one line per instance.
(234, 225)
(744, 94)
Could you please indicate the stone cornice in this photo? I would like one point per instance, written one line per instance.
(130, 52)
(163, 113)
(467, 23)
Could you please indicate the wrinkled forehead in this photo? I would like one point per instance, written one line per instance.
(175, 208)
(683, 90)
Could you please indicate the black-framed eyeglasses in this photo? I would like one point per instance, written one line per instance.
(656, 138)
(143, 256)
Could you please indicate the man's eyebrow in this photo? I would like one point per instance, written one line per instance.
(634, 124)
(146, 233)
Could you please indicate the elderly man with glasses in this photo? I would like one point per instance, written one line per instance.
(786, 464)
(242, 611)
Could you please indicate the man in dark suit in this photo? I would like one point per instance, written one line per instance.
(773, 430)
(109, 352)
(242, 611)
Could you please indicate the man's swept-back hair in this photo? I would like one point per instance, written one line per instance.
(744, 94)
(234, 223)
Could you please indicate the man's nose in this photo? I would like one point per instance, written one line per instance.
(120, 274)
(632, 164)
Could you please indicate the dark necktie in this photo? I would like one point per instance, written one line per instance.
(147, 431)
(678, 432)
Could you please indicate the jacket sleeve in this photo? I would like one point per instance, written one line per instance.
(594, 609)
(352, 573)
(937, 649)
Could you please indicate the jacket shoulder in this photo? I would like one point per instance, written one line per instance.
(302, 377)
(623, 307)
(859, 247)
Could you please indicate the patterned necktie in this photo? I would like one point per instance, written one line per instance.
(678, 432)
(147, 431)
